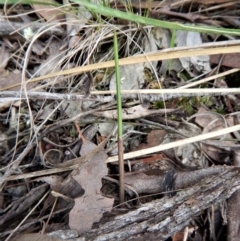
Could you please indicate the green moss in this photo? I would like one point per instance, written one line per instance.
(73, 131)
(148, 75)
(191, 105)
(219, 110)
(173, 117)
(158, 105)
(184, 75)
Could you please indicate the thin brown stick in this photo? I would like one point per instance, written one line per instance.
(80, 133)
(121, 169)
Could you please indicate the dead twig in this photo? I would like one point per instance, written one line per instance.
(146, 94)
(13, 166)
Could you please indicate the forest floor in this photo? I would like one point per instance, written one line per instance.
(66, 170)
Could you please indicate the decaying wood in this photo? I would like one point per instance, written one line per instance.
(150, 181)
(161, 218)
(233, 212)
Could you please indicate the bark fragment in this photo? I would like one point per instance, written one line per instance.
(161, 218)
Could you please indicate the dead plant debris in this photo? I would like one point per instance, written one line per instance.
(61, 182)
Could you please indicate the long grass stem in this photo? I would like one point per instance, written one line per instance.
(119, 116)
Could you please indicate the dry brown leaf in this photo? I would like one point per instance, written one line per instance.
(90, 207)
(212, 122)
(229, 60)
(154, 138)
(178, 236)
(52, 63)
(233, 120)
(4, 57)
(11, 78)
(50, 13)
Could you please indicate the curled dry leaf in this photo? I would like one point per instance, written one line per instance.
(198, 63)
(90, 207)
(211, 122)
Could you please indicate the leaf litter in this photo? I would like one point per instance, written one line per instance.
(89, 208)
(49, 175)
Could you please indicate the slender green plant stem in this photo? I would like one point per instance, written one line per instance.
(118, 87)
(171, 46)
(109, 12)
(119, 116)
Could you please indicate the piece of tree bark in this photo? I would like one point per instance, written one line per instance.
(233, 214)
(161, 218)
(233, 209)
(17, 208)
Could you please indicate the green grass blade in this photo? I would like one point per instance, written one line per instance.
(118, 88)
(173, 38)
(120, 124)
(109, 12)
